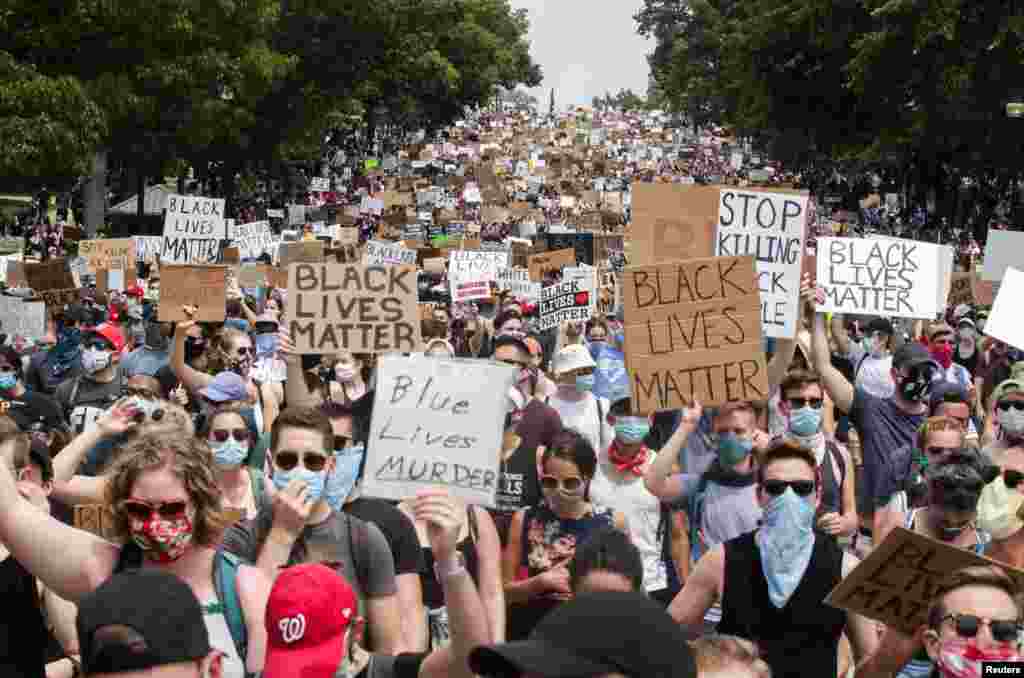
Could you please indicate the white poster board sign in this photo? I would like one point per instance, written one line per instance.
(193, 229)
(570, 301)
(437, 423)
(879, 276)
(771, 227)
(148, 247)
(379, 253)
(1003, 249)
(1005, 322)
(252, 239)
(22, 318)
(319, 184)
(517, 281)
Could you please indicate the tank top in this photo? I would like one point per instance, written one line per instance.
(433, 593)
(24, 638)
(802, 638)
(220, 638)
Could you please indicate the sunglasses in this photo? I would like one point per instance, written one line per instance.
(143, 510)
(221, 435)
(1012, 478)
(800, 403)
(1005, 405)
(286, 461)
(968, 625)
(572, 484)
(98, 346)
(7, 368)
(245, 350)
(776, 488)
(341, 442)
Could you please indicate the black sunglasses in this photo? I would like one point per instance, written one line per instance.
(1012, 478)
(286, 461)
(141, 510)
(1005, 405)
(800, 403)
(968, 625)
(341, 442)
(221, 435)
(775, 488)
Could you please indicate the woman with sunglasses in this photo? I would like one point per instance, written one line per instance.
(542, 539)
(230, 440)
(167, 513)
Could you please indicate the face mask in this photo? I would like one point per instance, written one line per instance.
(632, 430)
(8, 380)
(343, 478)
(585, 383)
(733, 449)
(943, 355)
(561, 501)
(94, 361)
(962, 658)
(805, 422)
(164, 541)
(966, 333)
(1011, 422)
(345, 375)
(230, 453)
(914, 389)
(786, 541)
(314, 480)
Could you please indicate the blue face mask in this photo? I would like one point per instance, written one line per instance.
(314, 480)
(8, 380)
(585, 383)
(732, 449)
(230, 453)
(805, 422)
(343, 479)
(632, 430)
(786, 541)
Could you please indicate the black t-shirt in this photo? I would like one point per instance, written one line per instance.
(386, 666)
(23, 635)
(398, 530)
(30, 407)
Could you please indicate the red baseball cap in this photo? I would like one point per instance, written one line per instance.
(309, 611)
(111, 333)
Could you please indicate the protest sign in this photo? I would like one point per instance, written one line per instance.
(192, 285)
(22, 318)
(437, 422)
(361, 309)
(253, 239)
(296, 215)
(96, 519)
(148, 247)
(1003, 249)
(99, 253)
(540, 264)
(231, 256)
(275, 214)
(581, 243)
(1005, 322)
(305, 252)
(319, 184)
(878, 276)
(984, 291)
(769, 226)
(569, 301)
(672, 222)
(896, 583)
(57, 299)
(517, 281)
(693, 330)
(348, 235)
(379, 253)
(470, 273)
(193, 229)
(49, 275)
(961, 291)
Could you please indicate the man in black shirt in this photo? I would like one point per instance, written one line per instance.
(25, 407)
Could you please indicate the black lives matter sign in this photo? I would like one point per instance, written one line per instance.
(570, 301)
(193, 229)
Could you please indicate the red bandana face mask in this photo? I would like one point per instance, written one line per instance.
(962, 658)
(624, 464)
(164, 541)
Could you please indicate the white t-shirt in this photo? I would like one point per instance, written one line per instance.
(642, 510)
(874, 375)
(583, 416)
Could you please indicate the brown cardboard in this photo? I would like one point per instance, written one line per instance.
(232, 256)
(94, 518)
(362, 309)
(49, 275)
(57, 299)
(895, 584)
(960, 290)
(434, 265)
(984, 291)
(693, 330)
(672, 222)
(550, 261)
(306, 252)
(99, 253)
(192, 285)
(16, 274)
(348, 235)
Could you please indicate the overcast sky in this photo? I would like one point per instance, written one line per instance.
(586, 48)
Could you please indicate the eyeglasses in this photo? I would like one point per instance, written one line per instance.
(286, 461)
(571, 484)
(1012, 478)
(143, 510)
(968, 625)
(221, 435)
(801, 403)
(1005, 405)
(245, 350)
(341, 442)
(777, 487)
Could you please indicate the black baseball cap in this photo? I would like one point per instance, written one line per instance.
(879, 325)
(592, 635)
(511, 340)
(138, 620)
(910, 355)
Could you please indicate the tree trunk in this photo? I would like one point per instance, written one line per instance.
(140, 187)
(94, 194)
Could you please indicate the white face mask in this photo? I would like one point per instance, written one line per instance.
(94, 361)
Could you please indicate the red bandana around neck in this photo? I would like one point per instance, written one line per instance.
(624, 464)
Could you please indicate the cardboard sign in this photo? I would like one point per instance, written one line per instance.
(879, 276)
(253, 239)
(470, 273)
(769, 226)
(672, 222)
(693, 330)
(437, 422)
(1002, 249)
(348, 235)
(984, 291)
(540, 264)
(1005, 322)
(296, 215)
(56, 300)
(15, 273)
(357, 308)
(22, 318)
(569, 301)
(147, 247)
(96, 519)
(48, 275)
(961, 290)
(305, 252)
(581, 243)
(379, 253)
(896, 583)
(99, 253)
(192, 285)
(319, 184)
(193, 229)
(517, 281)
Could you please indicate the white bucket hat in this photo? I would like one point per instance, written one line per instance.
(572, 357)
